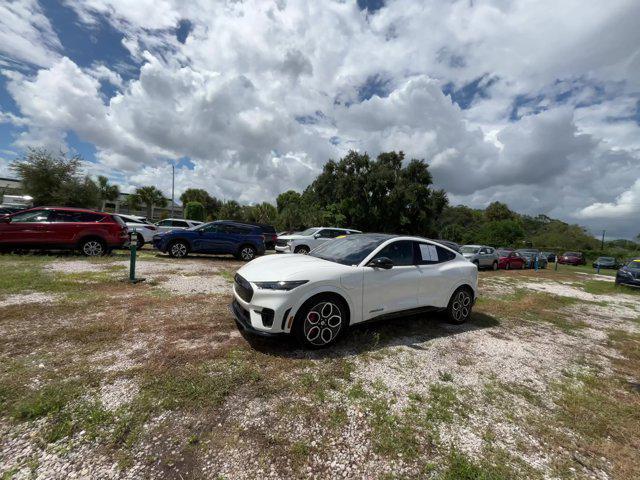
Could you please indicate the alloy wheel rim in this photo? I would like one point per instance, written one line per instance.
(461, 305)
(92, 248)
(322, 323)
(247, 253)
(179, 249)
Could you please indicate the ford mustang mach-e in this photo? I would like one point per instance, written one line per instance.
(351, 280)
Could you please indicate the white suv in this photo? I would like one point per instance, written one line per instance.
(304, 242)
(348, 281)
(169, 224)
(144, 228)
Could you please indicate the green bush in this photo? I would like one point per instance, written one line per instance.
(194, 211)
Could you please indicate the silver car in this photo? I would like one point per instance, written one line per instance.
(481, 255)
(304, 242)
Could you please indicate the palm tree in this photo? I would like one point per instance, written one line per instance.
(108, 192)
(151, 197)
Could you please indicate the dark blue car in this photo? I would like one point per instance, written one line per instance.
(629, 274)
(221, 237)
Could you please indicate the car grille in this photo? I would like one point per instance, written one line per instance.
(281, 243)
(244, 289)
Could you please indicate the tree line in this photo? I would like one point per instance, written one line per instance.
(382, 194)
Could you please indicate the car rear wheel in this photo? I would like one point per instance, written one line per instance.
(302, 250)
(93, 247)
(459, 308)
(179, 249)
(247, 253)
(320, 322)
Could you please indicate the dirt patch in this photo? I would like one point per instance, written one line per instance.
(24, 298)
(195, 284)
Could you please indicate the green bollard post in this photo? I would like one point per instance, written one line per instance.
(133, 249)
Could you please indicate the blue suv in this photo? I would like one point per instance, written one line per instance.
(238, 239)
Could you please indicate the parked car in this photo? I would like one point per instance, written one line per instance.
(144, 228)
(447, 243)
(629, 273)
(4, 210)
(510, 260)
(551, 257)
(481, 255)
(309, 239)
(530, 255)
(169, 224)
(606, 262)
(572, 258)
(57, 228)
(221, 237)
(269, 232)
(349, 281)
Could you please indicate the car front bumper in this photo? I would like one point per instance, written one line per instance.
(268, 313)
(283, 249)
(628, 281)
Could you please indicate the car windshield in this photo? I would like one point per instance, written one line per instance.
(468, 249)
(349, 250)
(634, 264)
(308, 232)
(606, 259)
(504, 253)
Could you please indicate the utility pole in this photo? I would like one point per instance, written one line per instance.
(602, 243)
(173, 186)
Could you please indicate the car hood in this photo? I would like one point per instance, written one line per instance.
(291, 237)
(289, 267)
(469, 255)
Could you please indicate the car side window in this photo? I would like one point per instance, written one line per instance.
(213, 228)
(428, 254)
(32, 217)
(164, 223)
(325, 233)
(178, 223)
(240, 230)
(400, 253)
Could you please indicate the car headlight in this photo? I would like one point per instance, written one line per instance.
(290, 285)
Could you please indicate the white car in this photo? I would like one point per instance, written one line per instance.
(304, 242)
(169, 224)
(351, 280)
(144, 228)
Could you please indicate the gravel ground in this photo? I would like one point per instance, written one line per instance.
(470, 359)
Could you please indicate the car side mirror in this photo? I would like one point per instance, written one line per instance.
(381, 262)
(317, 235)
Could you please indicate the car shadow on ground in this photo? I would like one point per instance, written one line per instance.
(414, 331)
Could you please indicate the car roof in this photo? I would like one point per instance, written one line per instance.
(69, 209)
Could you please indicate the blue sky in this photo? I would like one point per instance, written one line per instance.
(251, 98)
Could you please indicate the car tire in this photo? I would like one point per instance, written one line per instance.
(247, 253)
(178, 249)
(460, 305)
(93, 247)
(320, 321)
(302, 250)
(495, 266)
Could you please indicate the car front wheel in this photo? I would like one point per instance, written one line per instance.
(302, 250)
(178, 249)
(459, 308)
(320, 322)
(93, 248)
(247, 253)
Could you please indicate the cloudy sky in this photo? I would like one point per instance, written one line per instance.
(535, 103)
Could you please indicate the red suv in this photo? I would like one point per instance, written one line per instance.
(93, 233)
(572, 258)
